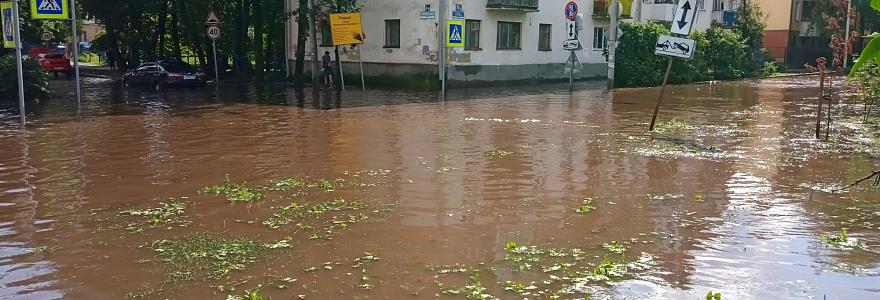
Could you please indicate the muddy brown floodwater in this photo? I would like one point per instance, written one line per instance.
(500, 193)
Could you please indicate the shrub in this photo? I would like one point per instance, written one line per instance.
(867, 76)
(636, 64)
(725, 53)
(770, 68)
(695, 69)
(36, 81)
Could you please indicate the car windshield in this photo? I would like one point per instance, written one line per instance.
(178, 67)
(54, 56)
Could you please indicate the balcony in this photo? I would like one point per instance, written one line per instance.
(600, 9)
(514, 5)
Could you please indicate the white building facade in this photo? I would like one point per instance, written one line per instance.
(505, 40)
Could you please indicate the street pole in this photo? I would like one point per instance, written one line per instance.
(361, 63)
(662, 91)
(638, 11)
(846, 42)
(314, 38)
(341, 74)
(216, 71)
(442, 47)
(18, 67)
(571, 62)
(286, 40)
(75, 49)
(612, 42)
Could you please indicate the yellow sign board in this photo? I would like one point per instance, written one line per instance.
(50, 9)
(455, 34)
(8, 26)
(346, 29)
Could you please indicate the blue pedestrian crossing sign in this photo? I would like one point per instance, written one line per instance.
(50, 9)
(455, 34)
(6, 20)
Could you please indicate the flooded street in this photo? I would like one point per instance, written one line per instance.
(498, 193)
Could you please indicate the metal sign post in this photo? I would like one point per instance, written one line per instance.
(212, 30)
(75, 35)
(361, 63)
(18, 67)
(572, 43)
(672, 46)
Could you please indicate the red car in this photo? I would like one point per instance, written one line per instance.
(56, 63)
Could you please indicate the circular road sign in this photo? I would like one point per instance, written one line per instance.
(571, 10)
(47, 36)
(213, 32)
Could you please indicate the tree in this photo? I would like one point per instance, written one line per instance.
(750, 22)
(872, 50)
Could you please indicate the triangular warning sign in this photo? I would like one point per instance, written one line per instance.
(49, 5)
(212, 19)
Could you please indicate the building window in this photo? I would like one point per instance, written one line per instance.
(326, 34)
(718, 5)
(701, 4)
(508, 35)
(804, 10)
(472, 35)
(600, 38)
(544, 37)
(392, 33)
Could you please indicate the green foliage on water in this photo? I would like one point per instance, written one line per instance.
(585, 206)
(498, 153)
(166, 212)
(614, 247)
(842, 240)
(204, 256)
(711, 296)
(235, 192)
(671, 128)
(287, 214)
(249, 295)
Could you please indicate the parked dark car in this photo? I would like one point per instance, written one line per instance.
(162, 74)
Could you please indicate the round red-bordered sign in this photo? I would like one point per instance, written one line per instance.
(571, 10)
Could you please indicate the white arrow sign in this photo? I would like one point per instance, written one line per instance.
(571, 28)
(677, 47)
(683, 21)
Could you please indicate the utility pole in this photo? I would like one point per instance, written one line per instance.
(612, 42)
(315, 63)
(441, 49)
(18, 67)
(286, 40)
(846, 42)
(75, 37)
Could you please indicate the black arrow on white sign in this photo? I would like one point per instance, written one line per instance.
(683, 22)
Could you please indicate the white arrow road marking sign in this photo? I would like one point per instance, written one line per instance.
(677, 47)
(683, 21)
(571, 29)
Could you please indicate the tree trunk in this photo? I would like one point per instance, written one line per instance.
(175, 31)
(240, 36)
(302, 28)
(258, 39)
(158, 35)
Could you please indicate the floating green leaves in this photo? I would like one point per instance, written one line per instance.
(586, 206)
(166, 212)
(710, 296)
(203, 256)
(498, 153)
(842, 240)
(249, 295)
(235, 192)
(672, 128)
(614, 247)
(287, 214)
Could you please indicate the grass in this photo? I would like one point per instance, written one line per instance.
(166, 212)
(235, 192)
(204, 256)
(286, 215)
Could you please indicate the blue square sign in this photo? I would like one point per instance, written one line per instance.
(49, 9)
(455, 34)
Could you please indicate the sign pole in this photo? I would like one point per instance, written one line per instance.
(18, 67)
(612, 42)
(571, 73)
(442, 48)
(216, 70)
(341, 74)
(361, 63)
(662, 91)
(75, 35)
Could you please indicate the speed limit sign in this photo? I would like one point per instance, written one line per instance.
(213, 32)
(47, 36)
